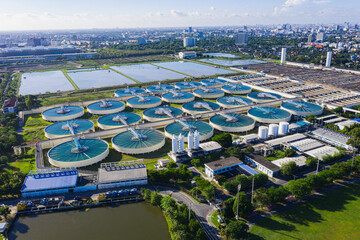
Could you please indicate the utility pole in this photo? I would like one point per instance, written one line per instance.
(190, 211)
(317, 167)
(237, 207)
(252, 190)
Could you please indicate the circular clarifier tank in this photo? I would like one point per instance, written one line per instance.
(184, 127)
(127, 92)
(187, 85)
(197, 107)
(232, 122)
(213, 82)
(178, 97)
(161, 113)
(260, 97)
(143, 102)
(302, 108)
(159, 88)
(106, 107)
(117, 120)
(63, 129)
(139, 141)
(236, 89)
(233, 101)
(69, 154)
(62, 113)
(208, 93)
(269, 114)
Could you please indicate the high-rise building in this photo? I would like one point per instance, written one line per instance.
(189, 42)
(320, 37)
(190, 29)
(312, 38)
(34, 42)
(283, 55)
(328, 59)
(241, 38)
(141, 40)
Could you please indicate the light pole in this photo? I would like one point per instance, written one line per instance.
(252, 191)
(189, 211)
(237, 207)
(317, 167)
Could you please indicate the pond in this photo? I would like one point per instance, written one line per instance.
(42, 82)
(135, 221)
(225, 55)
(230, 63)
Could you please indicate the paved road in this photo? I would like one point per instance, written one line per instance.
(201, 210)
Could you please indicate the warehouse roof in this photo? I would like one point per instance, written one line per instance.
(50, 180)
(262, 161)
(289, 138)
(116, 174)
(223, 163)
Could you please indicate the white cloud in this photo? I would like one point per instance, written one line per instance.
(287, 5)
(212, 8)
(321, 1)
(177, 13)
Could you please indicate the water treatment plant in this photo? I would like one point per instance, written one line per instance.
(158, 113)
(62, 113)
(63, 129)
(178, 97)
(105, 107)
(118, 120)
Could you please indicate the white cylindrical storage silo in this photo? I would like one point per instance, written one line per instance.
(273, 130)
(263, 132)
(283, 128)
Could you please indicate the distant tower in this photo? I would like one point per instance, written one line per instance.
(189, 42)
(190, 140)
(328, 59)
(174, 144)
(283, 55)
(241, 39)
(181, 143)
(196, 139)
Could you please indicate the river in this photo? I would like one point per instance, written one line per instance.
(135, 221)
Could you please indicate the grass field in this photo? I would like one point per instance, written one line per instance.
(332, 216)
(77, 98)
(277, 155)
(214, 219)
(35, 120)
(24, 165)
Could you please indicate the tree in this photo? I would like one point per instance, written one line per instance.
(277, 194)
(310, 118)
(299, 188)
(196, 162)
(237, 229)
(155, 199)
(290, 152)
(262, 198)
(249, 149)
(311, 161)
(235, 151)
(5, 211)
(168, 204)
(200, 235)
(220, 178)
(228, 208)
(194, 225)
(209, 192)
(245, 206)
(224, 139)
(289, 168)
(146, 193)
(338, 110)
(171, 165)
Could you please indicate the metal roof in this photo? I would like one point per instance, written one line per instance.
(48, 181)
(108, 175)
(223, 163)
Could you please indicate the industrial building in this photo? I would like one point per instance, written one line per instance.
(118, 120)
(105, 107)
(161, 113)
(62, 113)
(62, 129)
(262, 165)
(10, 105)
(221, 166)
(49, 182)
(187, 55)
(78, 153)
(122, 174)
(332, 137)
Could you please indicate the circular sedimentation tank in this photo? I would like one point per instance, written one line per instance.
(67, 154)
(187, 85)
(144, 102)
(159, 113)
(234, 123)
(105, 107)
(62, 129)
(62, 113)
(205, 130)
(144, 141)
(178, 97)
(269, 114)
(196, 107)
(114, 120)
(159, 88)
(236, 89)
(213, 82)
(233, 101)
(260, 97)
(302, 108)
(127, 92)
(208, 93)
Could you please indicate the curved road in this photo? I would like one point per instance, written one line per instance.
(201, 210)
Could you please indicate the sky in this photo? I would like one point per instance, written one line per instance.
(88, 14)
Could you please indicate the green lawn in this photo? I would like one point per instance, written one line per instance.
(333, 216)
(214, 219)
(277, 155)
(33, 134)
(77, 98)
(35, 120)
(25, 164)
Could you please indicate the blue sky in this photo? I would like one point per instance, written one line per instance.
(80, 14)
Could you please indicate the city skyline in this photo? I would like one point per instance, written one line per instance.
(44, 15)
